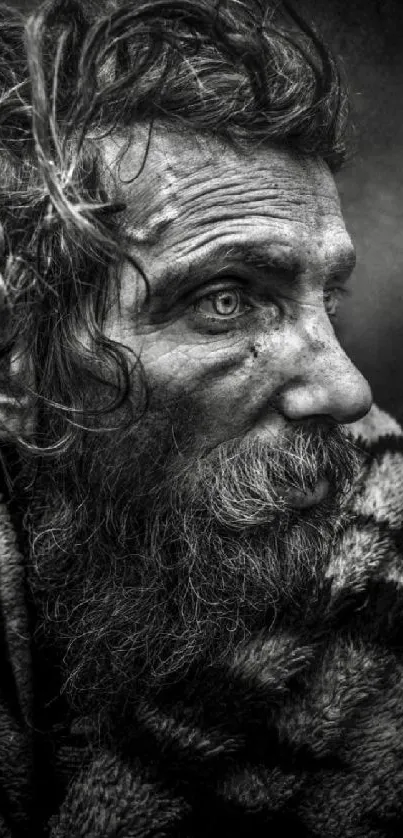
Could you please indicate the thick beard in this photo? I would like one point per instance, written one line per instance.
(148, 568)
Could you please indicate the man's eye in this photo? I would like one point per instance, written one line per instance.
(332, 298)
(223, 304)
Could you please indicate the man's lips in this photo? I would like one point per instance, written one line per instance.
(304, 500)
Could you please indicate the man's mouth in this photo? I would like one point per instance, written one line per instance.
(299, 499)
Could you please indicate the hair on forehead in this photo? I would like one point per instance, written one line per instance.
(249, 72)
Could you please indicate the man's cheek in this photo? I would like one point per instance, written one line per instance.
(186, 367)
(220, 391)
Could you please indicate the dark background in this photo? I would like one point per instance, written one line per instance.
(368, 37)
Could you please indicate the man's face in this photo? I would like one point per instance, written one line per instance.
(246, 258)
(169, 542)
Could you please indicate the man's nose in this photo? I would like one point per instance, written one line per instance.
(325, 383)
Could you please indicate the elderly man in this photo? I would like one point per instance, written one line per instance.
(200, 569)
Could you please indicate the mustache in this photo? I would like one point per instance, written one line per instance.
(245, 482)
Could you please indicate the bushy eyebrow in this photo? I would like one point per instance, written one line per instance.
(259, 257)
(266, 256)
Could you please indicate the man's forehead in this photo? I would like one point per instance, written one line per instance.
(188, 192)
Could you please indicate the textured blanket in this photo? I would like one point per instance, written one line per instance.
(303, 730)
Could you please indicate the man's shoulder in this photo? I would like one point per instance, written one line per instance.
(380, 497)
(371, 550)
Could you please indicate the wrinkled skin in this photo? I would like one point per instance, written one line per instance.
(245, 257)
(164, 545)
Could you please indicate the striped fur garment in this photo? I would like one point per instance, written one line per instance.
(303, 729)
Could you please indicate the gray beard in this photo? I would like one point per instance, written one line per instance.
(147, 568)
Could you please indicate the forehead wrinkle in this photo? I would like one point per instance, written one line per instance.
(211, 183)
(270, 181)
(180, 182)
(150, 212)
(149, 232)
(151, 198)
(206, 200)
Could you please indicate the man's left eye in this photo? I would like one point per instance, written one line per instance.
(224, 304)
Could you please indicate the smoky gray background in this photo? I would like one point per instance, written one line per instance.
(367, 36)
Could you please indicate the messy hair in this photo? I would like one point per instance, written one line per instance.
(247, 71)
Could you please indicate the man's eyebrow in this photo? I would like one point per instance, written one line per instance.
(344, 263)
(259, 257)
